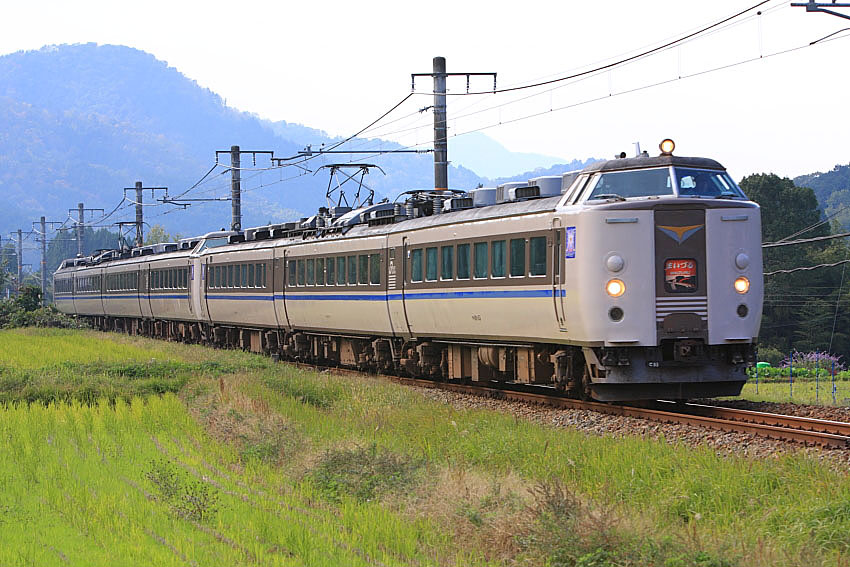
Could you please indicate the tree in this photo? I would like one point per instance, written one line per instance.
(157, 235)
(799, 308)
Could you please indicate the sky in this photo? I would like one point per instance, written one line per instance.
(337, 66)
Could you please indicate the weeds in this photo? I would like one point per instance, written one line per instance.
(189, 499)
(363, 473)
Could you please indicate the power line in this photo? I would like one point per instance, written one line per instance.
(804, 240)
(620, 61)
(806, 268)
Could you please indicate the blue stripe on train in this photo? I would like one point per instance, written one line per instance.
(520, 293)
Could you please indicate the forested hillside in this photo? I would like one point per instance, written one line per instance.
(805, 310)
(78, 123)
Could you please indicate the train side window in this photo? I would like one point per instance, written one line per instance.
(431, 263)
(251, 275)
(537, 256)
(416, 265)
(292, 272)
(480, 253)
(311, 272)
(498, 258)
(447, 262)
(375, 269)
(244, 275)
(330, 273)
(363, 268)
(229, 276)
(463, 261)
(352, 270)
(302, 273)
(263, 265)
(340, 270)
(320, 271)
(517, 257)
(217, 276)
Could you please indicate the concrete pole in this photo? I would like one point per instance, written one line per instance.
(80, 211)
(20, 259)
(140, 236)
(235, 189)
(441, 148)
(43, 262)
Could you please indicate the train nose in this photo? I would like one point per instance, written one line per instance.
(681, 306)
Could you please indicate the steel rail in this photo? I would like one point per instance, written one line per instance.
(784, 428)
(765, 418)
(805, 430)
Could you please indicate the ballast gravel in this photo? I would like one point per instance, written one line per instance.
(723, 443)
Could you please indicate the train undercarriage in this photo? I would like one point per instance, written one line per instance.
(678, 370)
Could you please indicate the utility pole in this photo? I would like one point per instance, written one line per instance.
(20, 260)
(235, 182)
(235, 189)
(80, 224)
(140, 231)
(43, 235)
(80, 210)
(139, 215)
(43, 261)
(441, 146)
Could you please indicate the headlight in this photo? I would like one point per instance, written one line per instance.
(667, 146)
(742, 285)
(615, 288)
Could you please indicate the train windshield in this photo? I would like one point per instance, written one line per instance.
(212, 243)
(623, 185)
(707, 184)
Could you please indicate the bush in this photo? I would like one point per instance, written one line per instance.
(25, 311)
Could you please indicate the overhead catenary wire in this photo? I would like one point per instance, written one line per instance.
(620, 61)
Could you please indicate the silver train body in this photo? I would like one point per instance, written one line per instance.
(636, 278)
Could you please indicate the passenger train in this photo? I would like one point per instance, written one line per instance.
(634, 278)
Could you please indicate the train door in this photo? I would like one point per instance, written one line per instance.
(203, 276)
(403, 262)
(147, 284)
(196, 292)
(140, 287)
(558, 275)
(279, 286)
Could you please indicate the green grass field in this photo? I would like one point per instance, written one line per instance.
(234, 460)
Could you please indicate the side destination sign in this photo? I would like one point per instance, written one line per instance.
(570, 249)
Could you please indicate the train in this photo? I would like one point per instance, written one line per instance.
(635, 278)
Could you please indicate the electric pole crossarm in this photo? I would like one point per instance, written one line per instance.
(822, 7)
(467, 75)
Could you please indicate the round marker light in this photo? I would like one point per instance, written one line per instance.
(667, 146)
(742, 285)
(615, 262)
(742, 261)
(615, 288)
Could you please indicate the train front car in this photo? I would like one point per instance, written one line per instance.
(663, 282)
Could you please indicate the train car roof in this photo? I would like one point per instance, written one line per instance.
(639, 162)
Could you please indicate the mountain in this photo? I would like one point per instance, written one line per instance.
(78, 123)
(832, 190)
(823, 184)
(488, 158)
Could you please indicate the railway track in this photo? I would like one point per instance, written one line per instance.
(805, 430)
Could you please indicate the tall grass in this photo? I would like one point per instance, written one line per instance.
(270, 464)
